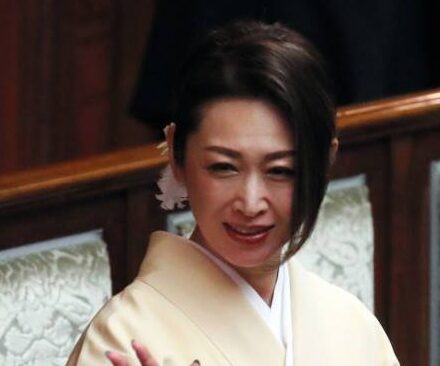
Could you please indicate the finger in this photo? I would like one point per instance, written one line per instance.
(116, 359)
(195, 363)
(143, 354)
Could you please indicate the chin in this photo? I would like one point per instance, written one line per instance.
(252, 260)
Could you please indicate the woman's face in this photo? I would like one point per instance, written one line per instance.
(239, 173)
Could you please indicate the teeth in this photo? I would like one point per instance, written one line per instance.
(248, 231)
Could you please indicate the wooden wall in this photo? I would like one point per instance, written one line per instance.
(67, 69)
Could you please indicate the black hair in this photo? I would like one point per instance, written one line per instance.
(273, 63)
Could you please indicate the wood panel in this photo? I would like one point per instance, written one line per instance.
(9, 80)
(67, 69)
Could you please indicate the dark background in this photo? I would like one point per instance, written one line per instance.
(373, 49)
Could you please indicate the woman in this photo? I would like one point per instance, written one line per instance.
(253, 139)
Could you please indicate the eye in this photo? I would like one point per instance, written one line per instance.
(222, 169)
(281, 173)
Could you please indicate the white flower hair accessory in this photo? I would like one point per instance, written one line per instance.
(173, 193)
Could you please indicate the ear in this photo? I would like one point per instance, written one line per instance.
(334, 146)
(176, 169)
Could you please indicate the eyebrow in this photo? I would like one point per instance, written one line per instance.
(236, 155)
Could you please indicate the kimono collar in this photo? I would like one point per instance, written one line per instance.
(198, 287)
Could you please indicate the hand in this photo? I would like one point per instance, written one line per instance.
(143, 354)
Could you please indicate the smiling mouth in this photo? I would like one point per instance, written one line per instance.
(248, 234)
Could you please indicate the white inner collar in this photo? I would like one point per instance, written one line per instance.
(277, 316)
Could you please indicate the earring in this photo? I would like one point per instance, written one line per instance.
(173, 193)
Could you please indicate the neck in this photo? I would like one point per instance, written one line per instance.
(262, 278)
(263, 281)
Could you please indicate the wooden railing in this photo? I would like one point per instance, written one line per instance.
(397, 112)
(392, 142)
(103, 172)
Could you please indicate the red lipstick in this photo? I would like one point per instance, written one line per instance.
(248, 234)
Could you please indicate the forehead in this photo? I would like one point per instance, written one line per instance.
(236, 122)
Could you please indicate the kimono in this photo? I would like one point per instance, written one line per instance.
(183, 307)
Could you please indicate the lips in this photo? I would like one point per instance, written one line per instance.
(248, 234)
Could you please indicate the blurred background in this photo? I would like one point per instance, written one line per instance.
(83, 77)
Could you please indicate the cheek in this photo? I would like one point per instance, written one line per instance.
(283, 207)
(283, 200)
(205, 193)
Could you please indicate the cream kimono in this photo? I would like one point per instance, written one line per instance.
(184, 307)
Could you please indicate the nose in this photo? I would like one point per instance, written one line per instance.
(251, 198)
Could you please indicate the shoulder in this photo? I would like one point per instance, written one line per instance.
(111, 326)
(140, 312)
(340, 318)
(125, 307)
(326, 296)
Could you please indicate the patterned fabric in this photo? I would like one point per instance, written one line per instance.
(340, 248)
(49, 293)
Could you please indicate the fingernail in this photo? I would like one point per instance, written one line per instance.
(107, 354)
